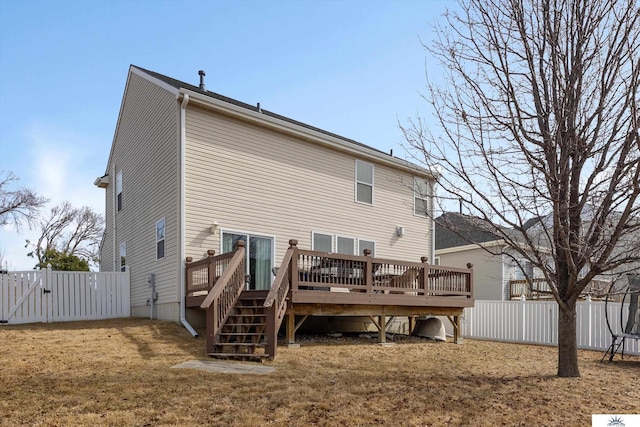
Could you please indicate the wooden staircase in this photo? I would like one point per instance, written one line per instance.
(243, 335)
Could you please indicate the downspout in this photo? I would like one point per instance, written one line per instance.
(116, 264)
(181, 217)
(432, 259)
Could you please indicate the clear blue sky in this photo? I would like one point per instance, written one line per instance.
(350, 67)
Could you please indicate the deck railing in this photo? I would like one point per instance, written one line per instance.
(201, 275)
(276, 301)
(226, 274)
(322, 271)
(538, 288)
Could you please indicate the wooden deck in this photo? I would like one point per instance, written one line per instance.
(310, 283)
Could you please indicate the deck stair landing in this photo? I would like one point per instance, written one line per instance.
(243, 336)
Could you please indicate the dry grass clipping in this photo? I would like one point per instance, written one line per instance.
(118, 372)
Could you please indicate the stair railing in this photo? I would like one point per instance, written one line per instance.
(224, 295)
(276, 301)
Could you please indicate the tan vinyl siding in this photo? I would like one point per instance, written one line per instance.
(146, 151)
(488, 282)
(253, 179)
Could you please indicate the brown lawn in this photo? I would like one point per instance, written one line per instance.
(118, 373)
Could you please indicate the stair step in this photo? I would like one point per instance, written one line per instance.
(231, 323)
(242, 344)
(257, 356)
(245, 334)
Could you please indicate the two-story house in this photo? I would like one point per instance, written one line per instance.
(192, 171)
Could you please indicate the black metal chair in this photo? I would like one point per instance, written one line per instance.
(629, 327)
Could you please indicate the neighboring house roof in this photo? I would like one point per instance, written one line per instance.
(177, 84)
(456, 229)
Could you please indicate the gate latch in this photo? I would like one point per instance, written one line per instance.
(46, 291)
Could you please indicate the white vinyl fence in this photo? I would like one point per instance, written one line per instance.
(60, 296)
(536, 322)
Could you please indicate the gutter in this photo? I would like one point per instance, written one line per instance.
(181, 216)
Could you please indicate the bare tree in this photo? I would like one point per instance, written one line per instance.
(70, 231)
(538, 108)
(17, 206)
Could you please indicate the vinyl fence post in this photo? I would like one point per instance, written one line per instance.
(523, 324)
(47, 285)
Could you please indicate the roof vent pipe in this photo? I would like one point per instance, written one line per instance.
(201, 73)
(258, 108)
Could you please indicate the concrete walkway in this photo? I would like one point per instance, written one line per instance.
(226, 367)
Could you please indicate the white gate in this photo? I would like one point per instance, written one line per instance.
(59, 296)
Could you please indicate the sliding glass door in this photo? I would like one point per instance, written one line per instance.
(259, 257)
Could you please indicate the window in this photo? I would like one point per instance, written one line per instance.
(345, 245)
(366, 244)
(123, 256)
(322, 242)
(364, 182)
(523, 270)
(160, 239)
(259, 257)
(421, 197)
(436, 260)
(119, 190)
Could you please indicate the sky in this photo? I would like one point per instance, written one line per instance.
(355, 68)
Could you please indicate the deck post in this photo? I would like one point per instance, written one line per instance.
(293, 271)
(211, 270)
(368, 271)
(456, 330)
(382, 330)
(291, 328)
(422, 278)
(412, 324)
(211, 327)
(189, 278)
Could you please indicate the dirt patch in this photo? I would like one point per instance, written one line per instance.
(118, 372)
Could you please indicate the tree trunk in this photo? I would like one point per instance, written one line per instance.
(567, 342)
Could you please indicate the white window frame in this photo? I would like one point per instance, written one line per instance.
(123, 256)
(355, 243)
(417, 195)
(370, 184)
(118, 200)
(163, 239)
(360, 249)
(313, 240)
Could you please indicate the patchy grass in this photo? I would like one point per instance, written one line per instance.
(118, 372)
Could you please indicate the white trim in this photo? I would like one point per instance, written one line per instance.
(331, 235)
(182, 111)
(138, 72)
(359, 249)
(355, 243)
(356, 182)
